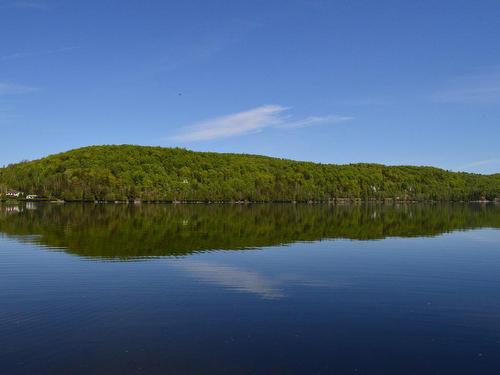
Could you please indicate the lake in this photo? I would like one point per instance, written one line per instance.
(259, 289)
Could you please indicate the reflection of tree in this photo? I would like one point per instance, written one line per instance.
(154, 230)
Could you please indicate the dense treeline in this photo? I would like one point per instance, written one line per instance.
(171, 174)
(135, 231)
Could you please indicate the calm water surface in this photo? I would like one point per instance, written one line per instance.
(264, 289)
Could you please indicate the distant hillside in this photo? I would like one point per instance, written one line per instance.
(172, 174)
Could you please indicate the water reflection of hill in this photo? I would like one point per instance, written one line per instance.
(116, 231)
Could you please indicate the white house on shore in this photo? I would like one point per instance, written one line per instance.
(31, 196)
(13, 194)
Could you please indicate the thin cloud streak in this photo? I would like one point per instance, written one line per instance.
(25, 4)
(251, 121)
(205, 48)
(315, 120)
(234, 124)
(20, 55)
(14, 89)
(480, 163)
(482, 87)
(6, 112)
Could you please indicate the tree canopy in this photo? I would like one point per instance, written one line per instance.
(126, 172)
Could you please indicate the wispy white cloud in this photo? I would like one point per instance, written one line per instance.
(251, 121)
(315, 120)
(480, 163)
(6, 112)
(234, 124)
(14, 89)
(25, 4)
(20, 55)
(204, 48)
(481, 87)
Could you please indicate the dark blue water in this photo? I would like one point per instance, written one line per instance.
(415, 303)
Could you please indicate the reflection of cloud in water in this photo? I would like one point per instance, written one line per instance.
(232, 278)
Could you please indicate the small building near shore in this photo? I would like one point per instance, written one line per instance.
(13, 194)
(32, 196)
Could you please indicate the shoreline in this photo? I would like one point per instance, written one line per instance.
(335, 201)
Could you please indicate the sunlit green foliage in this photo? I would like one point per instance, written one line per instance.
(169, 174)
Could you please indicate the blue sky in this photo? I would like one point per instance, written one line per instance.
(394, 82)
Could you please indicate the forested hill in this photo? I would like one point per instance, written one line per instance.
(172, 174)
